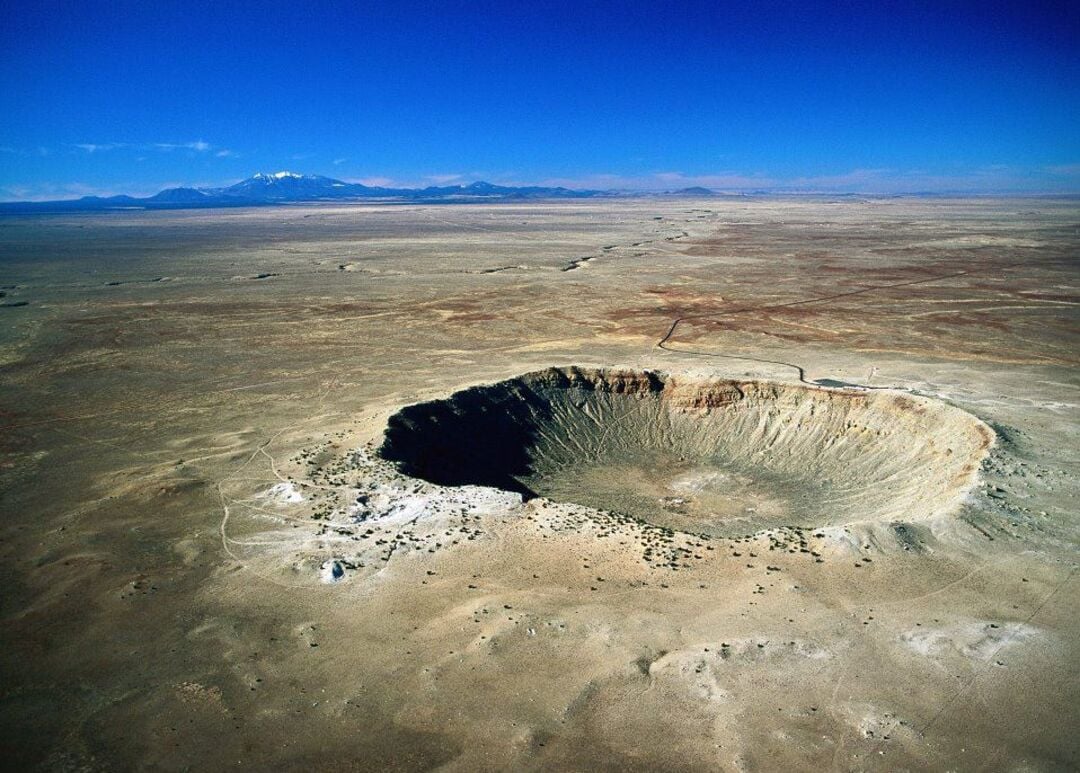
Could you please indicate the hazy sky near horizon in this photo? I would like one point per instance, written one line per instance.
(124, 96)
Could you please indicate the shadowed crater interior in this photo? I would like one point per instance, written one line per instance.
(714, 456)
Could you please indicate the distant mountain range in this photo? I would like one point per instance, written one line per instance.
(289, 187)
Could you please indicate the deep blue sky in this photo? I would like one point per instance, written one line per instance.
(871, 95)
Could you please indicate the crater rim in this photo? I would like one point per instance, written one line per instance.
(785, 454)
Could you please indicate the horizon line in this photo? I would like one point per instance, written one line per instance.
(675, 183)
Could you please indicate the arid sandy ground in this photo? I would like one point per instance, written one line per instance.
(183, 398)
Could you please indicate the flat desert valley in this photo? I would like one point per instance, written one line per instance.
(675, 484)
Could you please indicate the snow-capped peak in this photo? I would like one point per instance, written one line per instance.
(276, 176)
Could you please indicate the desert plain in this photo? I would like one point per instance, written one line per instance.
(657, 483)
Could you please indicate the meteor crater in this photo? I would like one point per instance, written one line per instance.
(712, 456)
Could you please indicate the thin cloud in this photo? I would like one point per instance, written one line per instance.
(724, 180)
(98, 147)
(197, 145)
(374, 182)
(991, 178)
(443, 179)
(657, 181)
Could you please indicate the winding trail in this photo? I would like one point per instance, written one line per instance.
(665, 342)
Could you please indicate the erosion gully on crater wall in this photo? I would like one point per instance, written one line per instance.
(710, 456)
